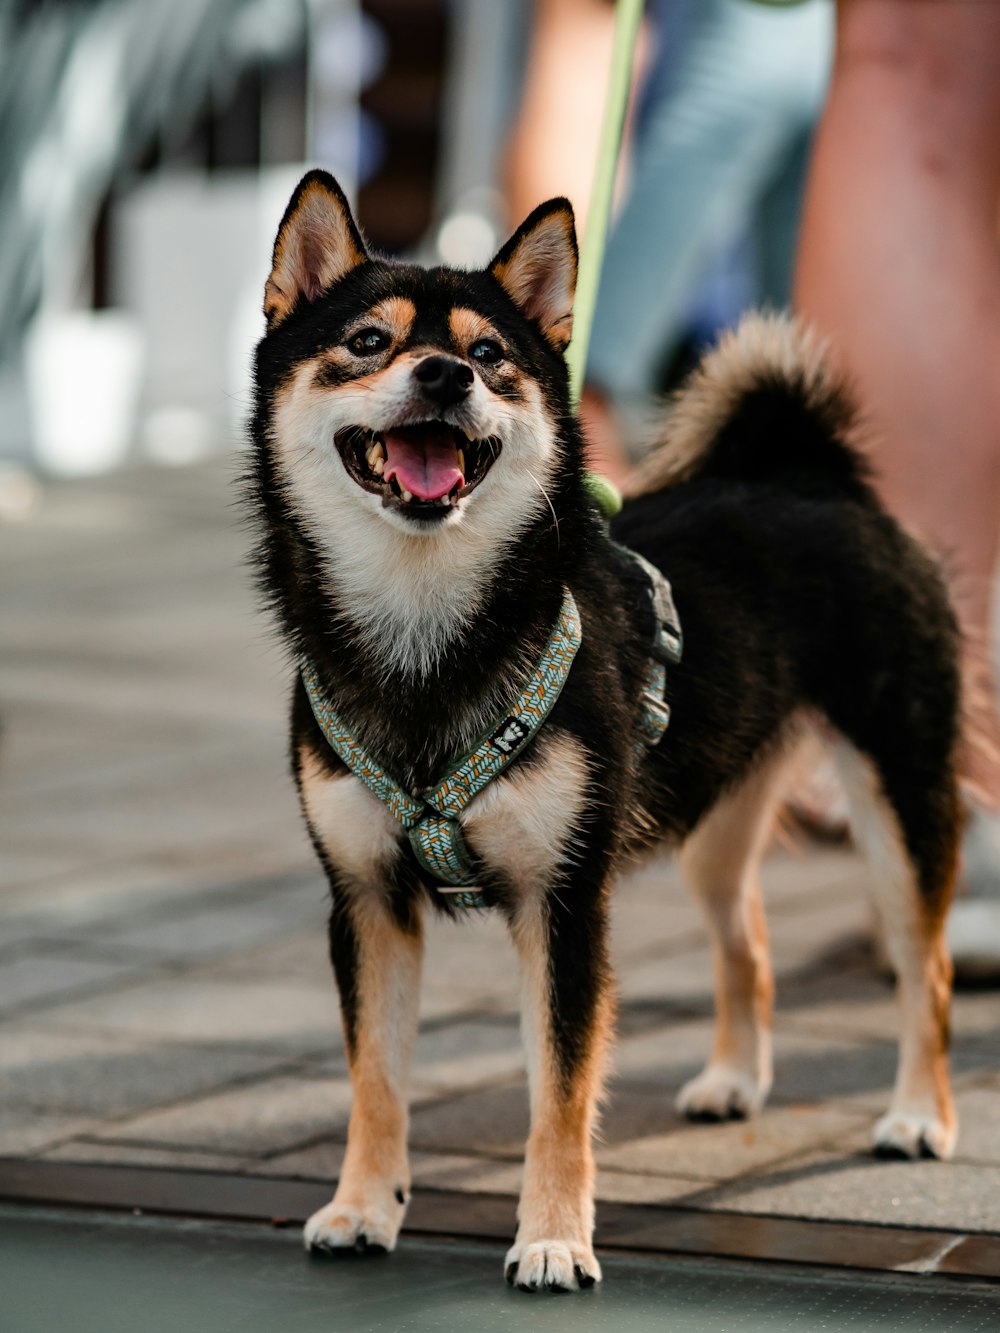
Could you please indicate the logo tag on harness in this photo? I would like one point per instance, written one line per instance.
(509, 735)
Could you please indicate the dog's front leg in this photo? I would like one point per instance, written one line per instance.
(377, 963)
(561, 938)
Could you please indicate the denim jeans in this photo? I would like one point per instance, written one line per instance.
(747, 87)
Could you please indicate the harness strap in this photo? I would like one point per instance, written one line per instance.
(430, 817)
(666, 649)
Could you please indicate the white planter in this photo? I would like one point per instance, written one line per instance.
(83, 372)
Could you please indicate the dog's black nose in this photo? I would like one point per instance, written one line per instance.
(443, 379)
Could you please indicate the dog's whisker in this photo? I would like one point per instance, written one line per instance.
(548, 501)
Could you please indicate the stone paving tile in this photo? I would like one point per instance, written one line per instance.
(721, 1152)
(469, 966)
(288, 1017)
(464, 1054)
(978, 1125)
(495, 1120)
(807, 1068)
(100, 889)
(24, 1136)
(266, 1117)
(302, 957)
(229, 929)
(863, 1189)
(681, 984)
(37, 978)
(100, 1075)
(870, 1010)
(472, 1174)
(452, 1058)
(222, 803)
(93, 1152)
(626, 1187)
(321, 1160)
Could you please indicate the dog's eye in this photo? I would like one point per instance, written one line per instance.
(368, 342)
(486, 351)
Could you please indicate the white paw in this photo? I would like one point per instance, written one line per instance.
(340, 1227)
(722, 1092)
(914, 1134)
(551, 1265)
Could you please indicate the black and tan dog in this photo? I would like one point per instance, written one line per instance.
(419, 485)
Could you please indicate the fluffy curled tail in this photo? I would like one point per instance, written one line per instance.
(763, 406)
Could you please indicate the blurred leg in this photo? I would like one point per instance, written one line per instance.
(554, 139)
(899, 265)
(749, 80)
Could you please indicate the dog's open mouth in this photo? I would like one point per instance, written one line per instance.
(423, 470)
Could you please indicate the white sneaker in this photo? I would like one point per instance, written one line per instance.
(973, 927)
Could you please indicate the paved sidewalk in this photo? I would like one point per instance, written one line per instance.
(164, 993)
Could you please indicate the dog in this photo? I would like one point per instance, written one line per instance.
(455, 603)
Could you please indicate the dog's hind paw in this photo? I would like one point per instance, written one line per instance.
(721, 1092)
(912, 1134)
(337, 1228)
(551, 1265)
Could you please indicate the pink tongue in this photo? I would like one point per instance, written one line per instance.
(426, 470)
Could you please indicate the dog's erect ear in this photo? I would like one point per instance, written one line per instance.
(537, 269)
(318, 242)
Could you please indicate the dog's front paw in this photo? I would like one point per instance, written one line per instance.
(912, 1134)
(722, 1092)
(340, 1227)
(552, 1265)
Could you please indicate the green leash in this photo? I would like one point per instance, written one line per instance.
(628, 15)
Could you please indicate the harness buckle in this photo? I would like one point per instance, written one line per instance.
(654, 718)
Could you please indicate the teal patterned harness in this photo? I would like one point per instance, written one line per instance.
(431, 817)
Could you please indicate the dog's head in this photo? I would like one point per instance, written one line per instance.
(425, 399)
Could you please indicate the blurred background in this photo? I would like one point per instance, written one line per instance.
(147, 148)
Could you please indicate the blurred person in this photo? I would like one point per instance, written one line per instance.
(735, 91)
(730, 94)
(553, 142)
(899, 267)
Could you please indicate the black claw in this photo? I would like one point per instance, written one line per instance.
(704, 1117)
(527, 1286)
(891, 1152)
(584, 1279)
(509, 1273)
(361, 1243)
(926, 1150)
(400, 1196)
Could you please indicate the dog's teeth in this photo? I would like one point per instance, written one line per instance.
(378, 467)
(461, 461)
(405, 495)
(375, 453)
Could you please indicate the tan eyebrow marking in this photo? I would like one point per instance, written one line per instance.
(468, 327)
(397, 313)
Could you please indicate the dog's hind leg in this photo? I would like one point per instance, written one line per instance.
(720, 861)
(376, 947)
(911, 845)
